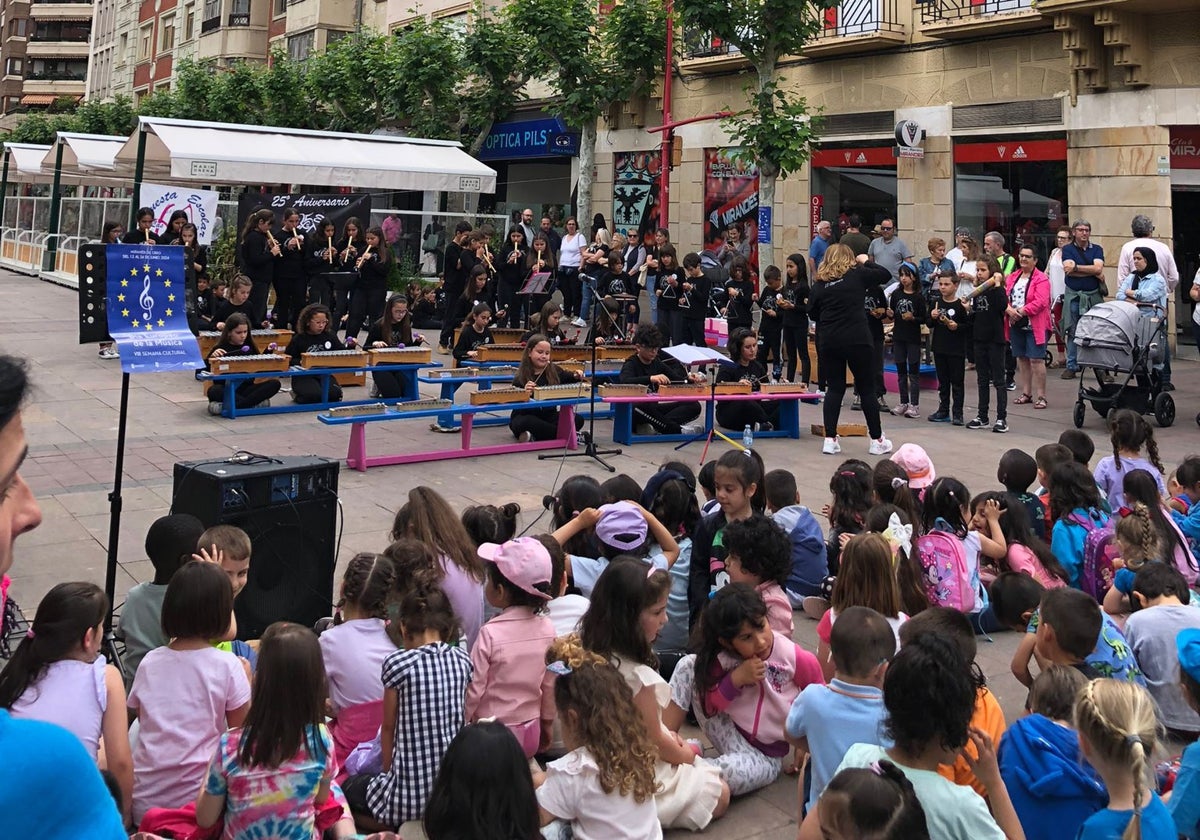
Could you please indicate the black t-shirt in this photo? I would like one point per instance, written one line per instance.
(469, 339)
(945, 340)
(302, 343)
(669, 299)
(753, 373)
(693, 304)
(637, 372)
(838, 306)
(798, 294)
(874, 300)
(987, 312)
(772, 315)
(912, 303)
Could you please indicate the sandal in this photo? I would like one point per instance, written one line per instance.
(1040, 402)
(1024, 399)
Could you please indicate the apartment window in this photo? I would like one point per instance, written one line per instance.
(14, 67)
(300, 46)
(239, 15)
(189, 21)
(58, 69)
(67, 30)
(212, 16)
(122, 48)
(145, 41)
(333, 36)
(11, 102)
(17, 27)
(166, 34)
(280, 8)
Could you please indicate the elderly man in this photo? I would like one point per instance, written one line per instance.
(1083, 264)
(820, 244)
(1143, 237)
(993, 246)
(39, 757)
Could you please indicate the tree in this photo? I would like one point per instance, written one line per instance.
(496, 73)
(355, 83)
(592, 61)
(776, 130)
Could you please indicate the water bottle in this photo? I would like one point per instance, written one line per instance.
(748, 438)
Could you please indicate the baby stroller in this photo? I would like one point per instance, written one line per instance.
(1117, 337)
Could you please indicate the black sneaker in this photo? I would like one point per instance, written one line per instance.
(883, 406)
(1000, 426)
(958, 421)
(857, 404)
(939, 417)
(979, 422)
(1010, 385)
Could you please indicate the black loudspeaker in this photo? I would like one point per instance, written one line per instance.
(288, 506)
(93, 299)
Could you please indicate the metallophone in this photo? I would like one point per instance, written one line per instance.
(261, 339)
(250, 363)
(338, 359)
(485, 379)
(558, 352)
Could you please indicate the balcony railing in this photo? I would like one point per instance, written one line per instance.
(707, 45)
(210, 25)
(937, 11)
(239, 19)
(861, 17)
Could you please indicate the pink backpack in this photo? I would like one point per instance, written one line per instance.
(1099, 548)
(947, 578)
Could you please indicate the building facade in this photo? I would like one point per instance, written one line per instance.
(1033, 114)
(44, 53)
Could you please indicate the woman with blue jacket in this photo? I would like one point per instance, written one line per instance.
(1144, 284)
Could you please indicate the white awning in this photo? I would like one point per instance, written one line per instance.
(86, 153)
(25, 163)
(220, 153)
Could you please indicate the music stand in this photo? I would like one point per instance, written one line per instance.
(534, 286)
(589, 446)
(691, 356)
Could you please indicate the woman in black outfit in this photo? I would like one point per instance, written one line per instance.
(322, 260)
(511, 268)
(738, 414)
(350, 247)
(838, 304)
(370, 292)
(290, 278)
(258, 255)
(314, 333)
(142, 234)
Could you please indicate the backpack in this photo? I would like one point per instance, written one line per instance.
(944, 566)
(1099, 549)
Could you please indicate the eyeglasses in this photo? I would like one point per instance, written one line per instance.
(886, 228)
(1025, 256)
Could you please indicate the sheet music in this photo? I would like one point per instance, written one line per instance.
(687, 355)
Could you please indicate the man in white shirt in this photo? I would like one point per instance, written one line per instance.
(955, 254)
(1143, 237)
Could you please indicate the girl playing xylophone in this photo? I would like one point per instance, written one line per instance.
(394, 329)
(314, 333)
(235, 341)
(736, 415)
(536, 370)
(474, 333)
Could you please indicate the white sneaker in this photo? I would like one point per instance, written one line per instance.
(692, 429)
(880, 447)
(214, 408)
(579, 322)
(109, 353)
(524, 437)
(831, 447)
(900, 409)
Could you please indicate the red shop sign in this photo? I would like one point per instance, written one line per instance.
(1010, 151)
(1185, 147)
(817, 207)
(866, 156)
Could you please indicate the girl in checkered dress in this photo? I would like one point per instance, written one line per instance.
(424, 689)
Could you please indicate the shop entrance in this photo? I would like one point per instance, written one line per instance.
(1185, 210)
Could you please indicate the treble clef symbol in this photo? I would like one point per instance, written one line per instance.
(144, 299)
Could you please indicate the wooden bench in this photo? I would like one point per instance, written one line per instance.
(356, 453)
(623, 406)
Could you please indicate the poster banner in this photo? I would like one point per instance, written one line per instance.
(200, 205)
(731, 198)
(147, 309)
(637, 179)
(314, 208)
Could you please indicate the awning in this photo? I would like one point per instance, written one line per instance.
(219, 153)
(25, 163)
(86, 153)
(39, 99)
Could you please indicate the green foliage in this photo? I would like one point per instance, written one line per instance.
(354, 83)
(777, 131)
(112, 118)
(428, 63)
(223, 251)
(493, 54)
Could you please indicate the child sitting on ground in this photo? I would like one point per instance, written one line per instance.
(170, 542)
(1067, 629)
(229, 547)
(1137, 544)
(1184, 798)
(809, 565)
(1163, 613)
(619, 528)
(1015, 600)
(758, 553)
(826, 720)
(1052, 788)
(1017, 472)
(987, 717)
(1047, 457)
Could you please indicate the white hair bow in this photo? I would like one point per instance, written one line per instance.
(898, 534)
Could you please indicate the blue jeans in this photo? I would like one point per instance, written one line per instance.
(588, 284)
(1072, 350)
(651, 283)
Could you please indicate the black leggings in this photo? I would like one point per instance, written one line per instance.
(795, 343)
(989, 370)
(249, 393)
(861, 360)
(907, 356)
(319, 290)
(739, 414)
(666, 417)
(541, 423)
(289, 300)
(389, 383)
(307, 389)
(366, 307)
(770, 348)
(343, 292)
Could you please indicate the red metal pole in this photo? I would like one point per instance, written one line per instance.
(664, 165)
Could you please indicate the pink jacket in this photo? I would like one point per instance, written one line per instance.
(1037, 303)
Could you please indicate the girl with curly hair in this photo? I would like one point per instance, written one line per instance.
(605, 785)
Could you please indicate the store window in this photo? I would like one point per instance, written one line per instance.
(855, 180)
(1016, 186)
(166, 31)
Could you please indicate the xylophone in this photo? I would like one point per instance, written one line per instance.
(337, 359)
(689, 389)
(357, 410)
(558, 352)
(499, 352)
(431, 404)
(261, 339)
(566, 391)
(499, 396)
(251, 363)
(619, 389)
(732, 388)
(399, 355)
(780, 388)
(455, 373)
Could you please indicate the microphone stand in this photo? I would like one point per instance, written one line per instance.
(589, 447)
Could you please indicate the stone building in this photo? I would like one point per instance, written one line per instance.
(1034, 112)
